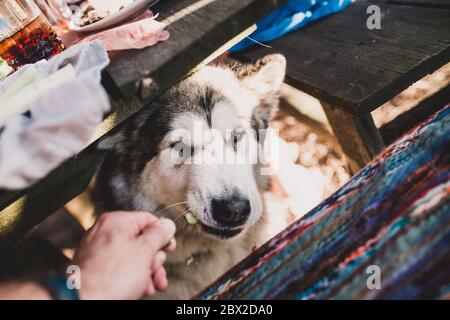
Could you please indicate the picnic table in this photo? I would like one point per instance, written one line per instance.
(199, 32)
(351, 69)
(354, 70)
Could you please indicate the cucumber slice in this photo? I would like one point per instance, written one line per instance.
(190, 218)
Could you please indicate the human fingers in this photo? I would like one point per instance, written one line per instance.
(160, 279)
(157, 235)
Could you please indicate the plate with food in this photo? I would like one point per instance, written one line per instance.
(96, 15)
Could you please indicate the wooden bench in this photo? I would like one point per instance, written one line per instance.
(353, 70)
(200, 31)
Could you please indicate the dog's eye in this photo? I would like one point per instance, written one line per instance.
(237, 136)
(174, 145)
(183, 149)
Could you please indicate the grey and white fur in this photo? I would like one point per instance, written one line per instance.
(139, 172)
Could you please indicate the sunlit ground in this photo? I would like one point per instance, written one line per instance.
(311, 145)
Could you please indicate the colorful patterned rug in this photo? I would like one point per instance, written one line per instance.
(384, 235)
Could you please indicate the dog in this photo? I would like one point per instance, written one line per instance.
(142, 171)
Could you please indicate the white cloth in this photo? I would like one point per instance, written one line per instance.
(62, 119)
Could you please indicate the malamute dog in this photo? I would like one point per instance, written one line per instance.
(146, 168)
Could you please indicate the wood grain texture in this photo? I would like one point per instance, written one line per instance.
(23, 209)
(197, 28)
(359, 138)
(339, 61)
(31, 257)
(421, 3)
(49, 194)
(61, 229)
(410, 119)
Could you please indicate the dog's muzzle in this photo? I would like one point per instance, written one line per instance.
(230, 214)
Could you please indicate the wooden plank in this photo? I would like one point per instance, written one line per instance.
(49, 194)
(359, 138)
(61, 230)
(340, 61)
(32, 256)
(165, 64)
(197, 28)
(410, 119)
(422, 3)
(23, 209)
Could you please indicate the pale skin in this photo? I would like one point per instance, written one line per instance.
(121, 257)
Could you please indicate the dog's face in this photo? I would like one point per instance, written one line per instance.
(197, 164)
(199, 149)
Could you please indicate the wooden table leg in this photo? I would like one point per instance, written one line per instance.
(358, 136)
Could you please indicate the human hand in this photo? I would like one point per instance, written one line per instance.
(122, 256)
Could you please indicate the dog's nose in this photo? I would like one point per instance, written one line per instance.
(231, 212)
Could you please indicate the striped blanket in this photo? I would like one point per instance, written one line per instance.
(384, 235)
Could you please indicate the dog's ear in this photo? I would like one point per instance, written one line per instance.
(265, 76)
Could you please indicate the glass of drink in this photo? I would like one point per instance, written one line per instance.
(26, 36)
(57, 13)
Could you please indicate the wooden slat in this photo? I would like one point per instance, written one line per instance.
(61, 229)
(197, 28)
(21, 210)
(422, 3)
(339, 61)
(32, 256)
(410, 119)
(194, 36)
(359, 138)
(49, 194)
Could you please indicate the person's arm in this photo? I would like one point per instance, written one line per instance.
(121, 257)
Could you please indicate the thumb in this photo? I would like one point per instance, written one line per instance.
(157, 235)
